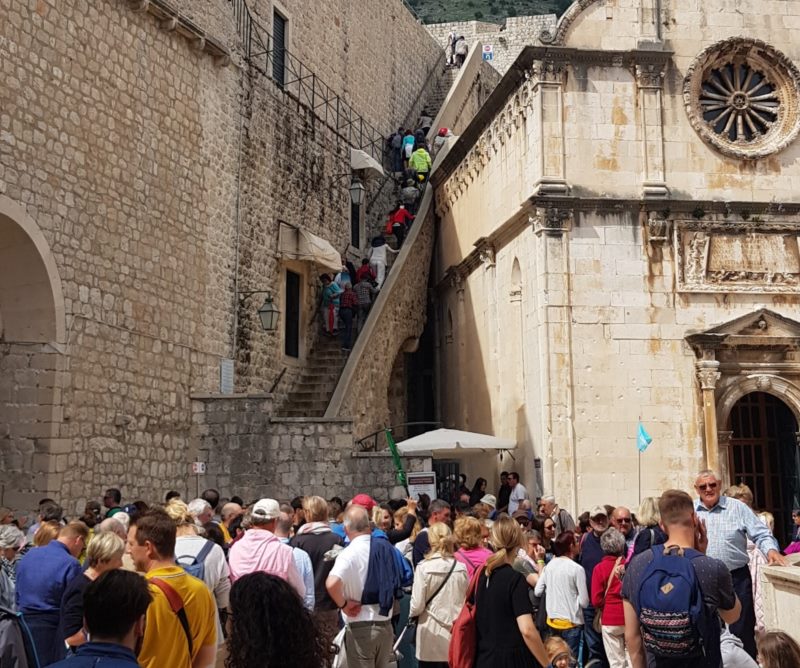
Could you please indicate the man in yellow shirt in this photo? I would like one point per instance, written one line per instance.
(181, 621)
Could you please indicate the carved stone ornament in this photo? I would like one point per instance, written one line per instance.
(650, 75)
(657, 229)
(737, 257)
(487, 255)
(551, 221)
(550, 70)
(708, 374)
(742, 96)
(763, 383)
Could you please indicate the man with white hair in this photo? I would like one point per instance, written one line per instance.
(729, 523)
(201, 510)
(562, 519)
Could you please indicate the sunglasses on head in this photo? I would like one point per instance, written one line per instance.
(707, 485)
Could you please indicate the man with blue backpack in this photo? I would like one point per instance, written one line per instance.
(675, 597)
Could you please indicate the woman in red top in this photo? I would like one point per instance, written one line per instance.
(606, 595)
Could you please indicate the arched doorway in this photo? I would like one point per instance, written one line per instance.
(763, 455)
(32, 334)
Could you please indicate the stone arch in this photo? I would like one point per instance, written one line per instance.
(565, 23)
(32, 331)
(27, 266)
(784, 389)
(515, 294)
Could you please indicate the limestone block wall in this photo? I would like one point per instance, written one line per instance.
(376, 54)
(603, 121)
(152, 170)
(507, 39)
(253, 455)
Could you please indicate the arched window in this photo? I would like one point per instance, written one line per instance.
(515, 293)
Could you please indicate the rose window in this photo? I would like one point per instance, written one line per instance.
(741, 96)
(739, 102)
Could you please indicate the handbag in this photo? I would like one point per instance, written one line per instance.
(340, 655)
(412, 621)
(597, 623)
(464, 634)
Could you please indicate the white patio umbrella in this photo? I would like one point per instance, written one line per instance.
(453, 442)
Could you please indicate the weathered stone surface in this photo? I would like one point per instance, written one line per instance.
(142, 162)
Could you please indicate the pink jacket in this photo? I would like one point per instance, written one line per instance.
(260, 550)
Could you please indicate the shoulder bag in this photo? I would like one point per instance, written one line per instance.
(597, 623)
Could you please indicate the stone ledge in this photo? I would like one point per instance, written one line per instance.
(170, 19)
(214, 396)
(311, 420)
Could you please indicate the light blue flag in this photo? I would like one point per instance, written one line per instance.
(643, 439)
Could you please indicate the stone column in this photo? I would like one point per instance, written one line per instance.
(724, 441)
(552, 295)
(548, 84)
(708, 374)
(649, 80)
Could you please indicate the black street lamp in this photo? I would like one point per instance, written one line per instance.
(268, 313)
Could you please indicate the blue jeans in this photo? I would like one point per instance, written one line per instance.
(593, 640)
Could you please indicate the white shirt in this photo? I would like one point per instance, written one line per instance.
(565, 583)
(378, 254)
(519, 493)
(351, 568)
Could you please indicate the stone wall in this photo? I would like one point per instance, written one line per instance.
(253, 455)
(507, 39)
(152, 171)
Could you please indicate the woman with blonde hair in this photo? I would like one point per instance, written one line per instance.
(469, 541)
(103, 554)
(440, 585)
(507, 635)
(46, 533)
(192, 551)
(650, 532)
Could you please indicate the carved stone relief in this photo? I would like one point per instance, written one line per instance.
(737, 257)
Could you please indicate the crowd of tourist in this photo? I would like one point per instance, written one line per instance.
(477, 580)
(348, 296)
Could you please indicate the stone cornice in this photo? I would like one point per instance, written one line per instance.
(725, 214)
(170, 19)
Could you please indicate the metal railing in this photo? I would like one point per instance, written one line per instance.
(399, 431)
(290, 74)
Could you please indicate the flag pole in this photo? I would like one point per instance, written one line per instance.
(639, 451)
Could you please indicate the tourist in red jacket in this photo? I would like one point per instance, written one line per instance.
(608, 597)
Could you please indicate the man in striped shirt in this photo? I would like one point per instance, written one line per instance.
(729, 523)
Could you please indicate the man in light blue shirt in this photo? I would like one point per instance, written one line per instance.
(301, 559)
(729, 523)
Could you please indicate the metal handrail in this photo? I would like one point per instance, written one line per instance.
(361, 444)
(303, 84)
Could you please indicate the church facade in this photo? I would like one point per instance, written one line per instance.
(618, 243)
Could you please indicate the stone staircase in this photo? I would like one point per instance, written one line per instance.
(388, 192)
(311, 394)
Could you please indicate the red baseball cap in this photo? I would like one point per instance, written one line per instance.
(365, 501)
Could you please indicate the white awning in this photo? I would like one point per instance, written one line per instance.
(454, 442)
(362, 160)
(298, 243)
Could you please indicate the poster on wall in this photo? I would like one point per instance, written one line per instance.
(421, 483)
